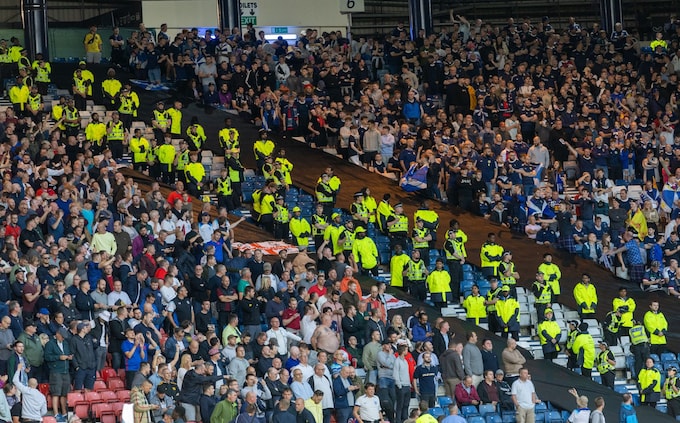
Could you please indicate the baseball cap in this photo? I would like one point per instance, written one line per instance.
(334, 215)
(81, 326)
(505, 288)
(44, 311)
(296, 209)
(548, 310)
(82, 62)
(603, 343)
(360, 229)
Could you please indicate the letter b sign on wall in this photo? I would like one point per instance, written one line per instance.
(351, 6)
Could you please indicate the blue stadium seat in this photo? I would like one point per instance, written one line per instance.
(654, 357)
(509, 418)
(444, 401)
(467, 268)
(436, 412)
(475, 419)
(671, 363)
(541, 407)
(621, 389)
(621, 183)
(466, 285)
(485, 409)
(384, 257)
(553, 417)
(597, 379)
(565, 415)
(469, 276)
(493, 418)
(662, 408)
(668, 356)
(468, 411)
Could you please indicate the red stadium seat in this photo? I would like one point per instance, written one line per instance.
(109, 396)
(108, 418)
(93, 398)
(118, 408)
(74, 398)
(49, 419)
(98, 410)
(124, 395)
(121, 374)
(116, 385)
(100, 385)
(108, 373)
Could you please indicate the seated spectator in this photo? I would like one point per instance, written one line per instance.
(466, 393)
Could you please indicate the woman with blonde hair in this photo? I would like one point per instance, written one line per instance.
(402, 331)
(184, 367)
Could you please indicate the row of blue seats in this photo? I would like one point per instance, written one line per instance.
(488, 413)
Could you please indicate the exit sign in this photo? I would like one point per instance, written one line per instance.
(245, 20)
(280, 30)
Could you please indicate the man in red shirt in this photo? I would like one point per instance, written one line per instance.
(177, 194)
(319, 288)
(291, 316)
(13, 229)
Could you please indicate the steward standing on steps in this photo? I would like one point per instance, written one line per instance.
(439, 283)
(569, 346)
(111, 88)
(140, 148)
(543, 295)
(42, 70)
(606, 365)
(549, 333)
(507, 273)
(508, 314)
(430, 219)
(129, 103)
(281, 219)
(267, 205)
(224, 191)
(18, 95)
(175, 113)
(365, 252)
(586, 297)
(194, 172)
(657, 327)
(421, 237)
(320, 222)
(671, 391)
(182, 160)
(166, 158)
(455, 260)
(72, 119)
(649, 384)
(475, 309)
(324, 194)
(584, 348)
(610, 327)
(195, 135)
(416, 273)
(95, 133)
(116, 135)
(490, 256)
(627, 306)
(300, 228)
(398, 227)
(161, 121)
(262, 148)
(228, 138)
(490, 303)
(552, 275)
(398, 264)
(639, 345)
(358, 211)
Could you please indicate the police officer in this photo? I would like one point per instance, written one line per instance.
(490, 303)
(319, 224)
(610, 326)
(182, 160)
(300, 228)
(507, 308)
(129, 103)
(490, 255)
(347, 239)
(584, 350)
(671, 391)
(228, 138)
(140, 149)
(195, 135)
(543, 294)
(72, 118)
(421, 237)
(475, 309)
(116, 135)
(358, 211)
(549, 333)
(281, 219)
(552, 275)
(586, 297)
(224, 190)
(324, 193)
(455, 260)
(657, 327)
(397, 227)
(606, 365)
(267, 206)
(507, 273)
(194, 172)
(430, 220)
(43, 70)
(111, 88)
(416, 273)
(262, 148)
(639, 345)
(236, 176)
(161, 120)
(439, 283)
(649, 384)
(35, 105)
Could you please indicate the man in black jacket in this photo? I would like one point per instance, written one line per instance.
(192, 388)
(442, 338)
(302, 414)
(117, 328)
(82, 347)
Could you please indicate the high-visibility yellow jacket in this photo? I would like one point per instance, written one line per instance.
(166, 155)
(474, 307)
(657, 326)
(365, 252)
(397, 264)
(627, 316)
(649, 383)
(95, 132)
(140, 149)
(586, 297)
(18, 94)
(547, 331)
(552, 274)
(584, 348)
(298, 227)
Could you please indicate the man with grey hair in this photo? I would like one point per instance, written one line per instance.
(33, 402)
(321, 382)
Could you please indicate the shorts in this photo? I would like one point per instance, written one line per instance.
(60, 384)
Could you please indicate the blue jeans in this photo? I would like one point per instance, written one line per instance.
(372, 377)
(388, 395)
(154, 75)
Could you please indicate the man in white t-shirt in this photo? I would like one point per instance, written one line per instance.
(367, 407)
(524, 397)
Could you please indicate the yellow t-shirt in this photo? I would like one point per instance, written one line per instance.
(93, 43)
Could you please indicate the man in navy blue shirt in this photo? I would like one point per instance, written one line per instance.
(427, 375)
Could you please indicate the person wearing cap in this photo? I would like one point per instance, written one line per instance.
(657, 326)
(160, 121)
(610, 327)
(552, 274)
(18, 96)
(585, 295)
(543, 295)
(454, 251)
(397, 227)
(359, 212)
(382, 212)
(365, 252)
(325, 195)
(606, 364)
(549, 333)
(116, 134)
(195, 175)
(300, 228)
(139, 146)
(129, 103)
(627, 306)
(491, 255)
(332, 233)
(281, 219)
(584, 350)
(42, 69)
(164, 402)
(671, 391)
(649, 384)
(474, 307)
(490, 300)
(420, 238)
(58, 356)
(507, 309)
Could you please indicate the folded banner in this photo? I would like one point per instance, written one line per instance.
(392, 302)
(269, 248)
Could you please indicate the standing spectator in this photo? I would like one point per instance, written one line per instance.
(472, 359)
(489, 357)
(597, 415)
(524, 397)
(367, 407)
(84, 360)
(135, 351)
(427, 375)
(142, 408)
(33, 402)
(385, 364)
(451, 364)
(344, 392)
(93, 46)
(513, 360)
(58, 355)
(442, 338)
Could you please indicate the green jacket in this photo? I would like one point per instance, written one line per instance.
(225, 412)
(33, 349)
(52, 354)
